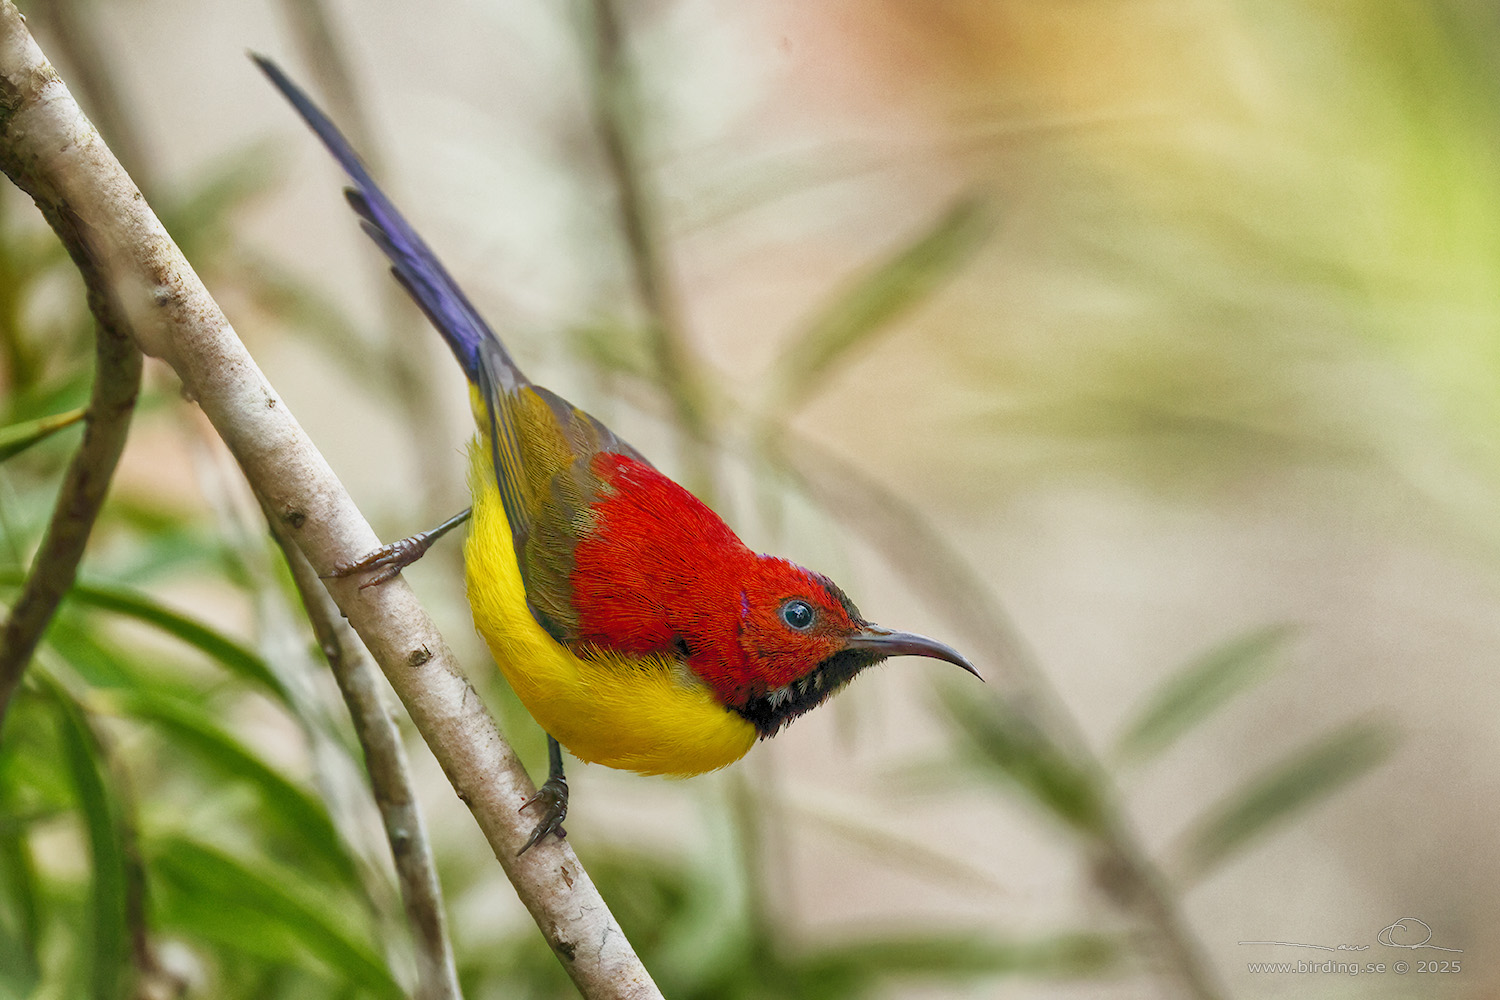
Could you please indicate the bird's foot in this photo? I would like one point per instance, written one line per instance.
(553, 799)
(388, 560)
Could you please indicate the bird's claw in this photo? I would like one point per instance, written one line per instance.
(387, 561)
(553, 798)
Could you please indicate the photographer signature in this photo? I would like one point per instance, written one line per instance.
(1397, 934)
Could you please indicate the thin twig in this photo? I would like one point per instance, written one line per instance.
(615, 107)
(756, 813)
(117, 381)
(390, 777)
(1135, 883)
(52, 150)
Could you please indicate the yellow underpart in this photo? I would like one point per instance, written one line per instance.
(640, 714)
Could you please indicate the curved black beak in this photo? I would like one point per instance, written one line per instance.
(886, 642)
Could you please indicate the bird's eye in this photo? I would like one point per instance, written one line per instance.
(797, 615)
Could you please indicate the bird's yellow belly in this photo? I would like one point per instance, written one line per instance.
(640, 714)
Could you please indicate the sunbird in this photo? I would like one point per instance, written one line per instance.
(633, 624)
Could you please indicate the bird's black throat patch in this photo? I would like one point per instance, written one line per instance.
(769, 713)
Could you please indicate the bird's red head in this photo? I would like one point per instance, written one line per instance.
(790, 620)
(803, 640)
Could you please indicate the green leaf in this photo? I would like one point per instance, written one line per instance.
(19, 973)
(251, 906)
(177, 543)
(895, 852)
(35, 782)
(18, 437)
(1307, 777)
(107, 946)
(20, 906)
(239, 660)
(77, 639)
(1190, 695)
(866, 307)
(1011, 743)
(298, 813)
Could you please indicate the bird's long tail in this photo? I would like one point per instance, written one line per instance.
(412, 261)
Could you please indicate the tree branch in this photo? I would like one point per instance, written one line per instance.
(117, 381)
(54, 152)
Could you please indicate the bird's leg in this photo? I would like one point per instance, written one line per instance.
(552, 797)
(388, 560)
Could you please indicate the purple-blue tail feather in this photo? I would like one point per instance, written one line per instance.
(412, 261)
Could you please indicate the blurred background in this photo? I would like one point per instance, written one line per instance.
(1149, 352)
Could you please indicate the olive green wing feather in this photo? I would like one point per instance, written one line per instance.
(542, 449)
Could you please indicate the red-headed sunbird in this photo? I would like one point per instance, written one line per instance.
(633, 624)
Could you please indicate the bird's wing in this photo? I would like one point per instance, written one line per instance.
(542, 448)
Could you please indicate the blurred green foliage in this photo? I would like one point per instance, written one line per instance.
(1188, 696)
